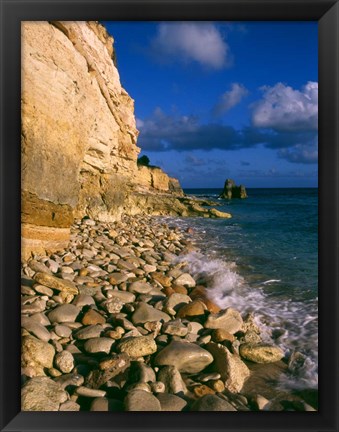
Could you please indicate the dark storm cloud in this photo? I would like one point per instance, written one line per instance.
(163, 132)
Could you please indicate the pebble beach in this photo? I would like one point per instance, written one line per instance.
(116, 322)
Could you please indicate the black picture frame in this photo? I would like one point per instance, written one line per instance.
(326, 12)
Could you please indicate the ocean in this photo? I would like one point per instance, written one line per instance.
(265, 260)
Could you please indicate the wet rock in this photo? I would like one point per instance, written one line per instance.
(174, 302)
(163, 280)
(194, 309)
(179, 289)
(251, 337)
(42, 394)
(186, 280)
(200, 293)
(185, 356)
(218, 214)
(229, 320)
(140, 400)
(261, 353)
(221, 335)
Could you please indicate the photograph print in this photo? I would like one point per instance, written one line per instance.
(169, 197)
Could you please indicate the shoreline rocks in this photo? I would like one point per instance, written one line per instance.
(132, 330)
(232, 191)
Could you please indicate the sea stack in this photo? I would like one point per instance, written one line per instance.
(232, 191)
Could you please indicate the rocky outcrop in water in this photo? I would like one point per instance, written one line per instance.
(232, 191)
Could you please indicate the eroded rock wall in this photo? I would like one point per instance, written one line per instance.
(79, 151)
(79, 136)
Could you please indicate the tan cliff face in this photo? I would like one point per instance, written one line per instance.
(79, 139)
(79, 135)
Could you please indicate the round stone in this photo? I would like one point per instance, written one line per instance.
(185, 356)
(37, 330)
(261, 353)
(64, 313)
(141, 400)
(64, 361)
(140, 287)
(186, 280)
(88, 332)
(170, 402)
(196, 308)
(62, 330)
(92, 317)
(98, 344)
(138, 346)
(212, 403)
(145, 312)
(229, 320)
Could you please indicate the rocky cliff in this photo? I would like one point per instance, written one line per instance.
(79, 137)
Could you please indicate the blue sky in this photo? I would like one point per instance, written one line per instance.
(217, 100)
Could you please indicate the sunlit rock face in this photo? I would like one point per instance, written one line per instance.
(79, 138)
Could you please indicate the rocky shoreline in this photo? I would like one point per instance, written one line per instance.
(115, 322)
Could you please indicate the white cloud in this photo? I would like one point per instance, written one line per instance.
(230, 98)
(187, 41)
(285, 109)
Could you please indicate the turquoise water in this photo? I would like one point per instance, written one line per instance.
(265, 260)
